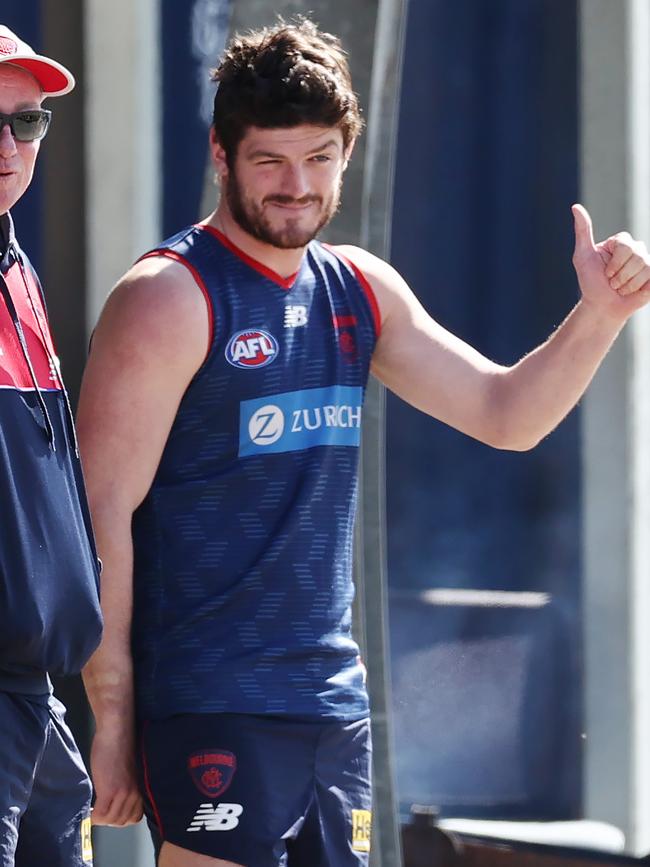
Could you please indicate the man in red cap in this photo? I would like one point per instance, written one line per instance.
(49, 611)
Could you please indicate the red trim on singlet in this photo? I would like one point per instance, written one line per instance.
(365, 285)
(172, 254)
(147, 783)
(285, 282)
(344, 321)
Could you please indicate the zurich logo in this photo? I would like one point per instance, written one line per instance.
(266, 425)
(251, 348)
(298, 420)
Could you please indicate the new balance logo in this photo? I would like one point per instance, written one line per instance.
(222, 817)
(55, 369)
(295, 315)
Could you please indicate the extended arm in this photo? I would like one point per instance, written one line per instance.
(508, 407)
(150, 340)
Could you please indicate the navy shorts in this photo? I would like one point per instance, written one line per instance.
(259, 791)
(44, 789)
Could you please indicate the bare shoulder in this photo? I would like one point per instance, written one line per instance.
(156, 301)
(151, 339)
(157, 289)
(368, 263)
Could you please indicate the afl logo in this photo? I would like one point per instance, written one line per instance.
(253, 348)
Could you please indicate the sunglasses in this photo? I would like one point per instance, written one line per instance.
(28, 125)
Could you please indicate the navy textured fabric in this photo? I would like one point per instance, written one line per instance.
(243, 545)
(45, 793)
(50, 618)
(260, 791)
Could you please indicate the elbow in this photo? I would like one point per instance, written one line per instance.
(509, 441)
(509, 436)
(511, 425)
(519, 445)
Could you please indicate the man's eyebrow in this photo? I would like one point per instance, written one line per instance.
(328, 144)
(254, 155)
(258, 154)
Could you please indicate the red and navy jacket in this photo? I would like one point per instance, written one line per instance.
(50, 619)
(243, 545)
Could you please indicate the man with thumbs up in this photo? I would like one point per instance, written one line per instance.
(219, 423)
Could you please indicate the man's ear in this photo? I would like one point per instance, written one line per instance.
(218, 155)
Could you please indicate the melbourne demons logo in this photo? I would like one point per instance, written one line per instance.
(8, 46)
(254, 348)
(212, 771)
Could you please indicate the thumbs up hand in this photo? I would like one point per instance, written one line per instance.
(614, 275)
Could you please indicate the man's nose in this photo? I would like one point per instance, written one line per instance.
(295, 182)
(7, 142)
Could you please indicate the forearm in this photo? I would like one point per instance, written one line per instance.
(108, 676)
(535, 394)
(108, 679)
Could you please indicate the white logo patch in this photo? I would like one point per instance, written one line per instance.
(266, 425)
(222, 817)
(295, 315)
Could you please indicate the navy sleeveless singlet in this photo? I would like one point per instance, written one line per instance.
(243, 545)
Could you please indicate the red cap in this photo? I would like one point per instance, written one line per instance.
(54, 79)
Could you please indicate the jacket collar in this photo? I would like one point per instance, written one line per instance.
(8, 240)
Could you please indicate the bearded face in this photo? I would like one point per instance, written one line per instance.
(285, 184)
(280, 220)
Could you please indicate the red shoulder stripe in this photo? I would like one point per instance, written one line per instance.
(172, 254)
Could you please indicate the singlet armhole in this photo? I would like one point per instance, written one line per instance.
(365, 285)
(177, 257)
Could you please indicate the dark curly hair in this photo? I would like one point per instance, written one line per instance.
(283, 76)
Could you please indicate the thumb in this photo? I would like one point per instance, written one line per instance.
(583, 229)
